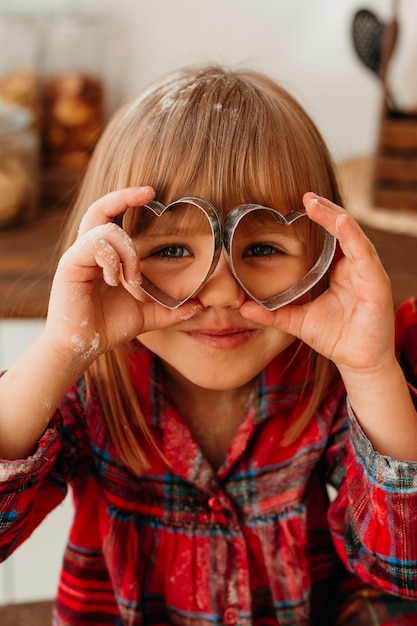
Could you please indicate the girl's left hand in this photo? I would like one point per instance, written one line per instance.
(352, 322)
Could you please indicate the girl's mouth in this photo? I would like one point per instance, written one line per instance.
(222, 338)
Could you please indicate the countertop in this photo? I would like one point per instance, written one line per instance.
(28, 256)
(30, 614)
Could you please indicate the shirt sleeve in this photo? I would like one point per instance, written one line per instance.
(31, 488)
(374, 516)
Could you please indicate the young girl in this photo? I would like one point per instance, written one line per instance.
(198, 435)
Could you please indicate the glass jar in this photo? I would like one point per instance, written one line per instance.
(19, 61)
(18, 166)
(73, 77)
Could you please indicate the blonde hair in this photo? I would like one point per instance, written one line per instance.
(231, 137)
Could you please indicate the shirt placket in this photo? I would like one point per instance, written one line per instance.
(230, 593)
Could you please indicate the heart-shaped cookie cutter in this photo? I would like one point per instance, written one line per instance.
(224, 236)
(303, 285)
(210, 211)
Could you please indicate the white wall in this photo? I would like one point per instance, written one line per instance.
(304, 43)
(31, 573)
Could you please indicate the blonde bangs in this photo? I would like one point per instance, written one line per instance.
(228, 137)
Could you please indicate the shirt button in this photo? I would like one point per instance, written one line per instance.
(230, 616)
(215, 505)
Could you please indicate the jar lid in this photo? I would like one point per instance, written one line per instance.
(13, 119)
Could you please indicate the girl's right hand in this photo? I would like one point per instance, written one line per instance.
(96, 302)
(90, 312)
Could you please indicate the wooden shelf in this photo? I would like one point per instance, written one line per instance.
(28, 256)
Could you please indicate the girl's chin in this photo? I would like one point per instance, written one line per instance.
(209, 377)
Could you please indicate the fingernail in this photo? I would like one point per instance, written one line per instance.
(135, 282)
(109, 278)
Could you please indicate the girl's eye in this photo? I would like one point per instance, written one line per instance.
(172, 252)
(261, 249)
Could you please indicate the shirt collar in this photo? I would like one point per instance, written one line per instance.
(277, 393)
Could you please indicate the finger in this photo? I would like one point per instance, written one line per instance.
(353, 241)
(363, 271)
(323, 211)
(256, 313)
(157, 316)
(289, 319)
(107, 258)
(105, 209)
(110, 248)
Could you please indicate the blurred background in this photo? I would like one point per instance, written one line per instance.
(71, 64)
(307, 45)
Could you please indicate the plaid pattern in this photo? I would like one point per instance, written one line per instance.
(251, 544)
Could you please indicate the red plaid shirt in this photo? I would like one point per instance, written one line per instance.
(253, 543)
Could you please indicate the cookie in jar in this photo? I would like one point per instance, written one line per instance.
(73, 71)
(73, 118)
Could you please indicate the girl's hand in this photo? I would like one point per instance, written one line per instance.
(352, 322)
(96, 302)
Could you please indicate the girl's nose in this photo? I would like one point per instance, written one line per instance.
(222, 288)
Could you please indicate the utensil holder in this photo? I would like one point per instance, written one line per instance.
(395, 163)
(395, 167)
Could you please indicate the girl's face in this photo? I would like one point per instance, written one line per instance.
(218, 349)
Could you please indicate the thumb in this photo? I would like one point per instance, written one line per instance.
(288, 318)
(156, 316)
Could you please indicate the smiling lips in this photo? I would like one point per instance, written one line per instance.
(222, 338)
